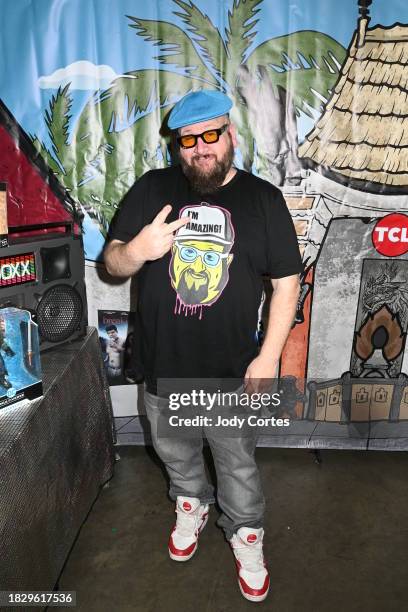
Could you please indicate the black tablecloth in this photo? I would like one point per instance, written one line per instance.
(54, 456)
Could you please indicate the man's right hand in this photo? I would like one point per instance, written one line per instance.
(156, 239)
(152, 242)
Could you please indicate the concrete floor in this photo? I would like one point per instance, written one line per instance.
(336, 539)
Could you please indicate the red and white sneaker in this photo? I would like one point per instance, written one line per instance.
(253, 577)
(192, 517)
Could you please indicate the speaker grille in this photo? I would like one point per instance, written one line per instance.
(59, 313)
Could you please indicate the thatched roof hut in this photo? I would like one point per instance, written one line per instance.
(362, 135)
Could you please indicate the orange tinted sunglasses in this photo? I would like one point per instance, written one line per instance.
(188, 141)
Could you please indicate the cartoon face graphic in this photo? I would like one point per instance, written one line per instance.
(199, 271)
(201, 255)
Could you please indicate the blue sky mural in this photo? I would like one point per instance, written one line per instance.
(41, 37)
(46, 44)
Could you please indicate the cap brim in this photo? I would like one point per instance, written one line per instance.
(203, 237)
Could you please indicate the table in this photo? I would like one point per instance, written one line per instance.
(55, 454)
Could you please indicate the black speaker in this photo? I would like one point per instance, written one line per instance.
(45, 274)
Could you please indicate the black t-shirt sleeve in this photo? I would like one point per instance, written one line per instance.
(283, 255)
(130, 217)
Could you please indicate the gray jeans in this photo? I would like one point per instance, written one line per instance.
(239, 491)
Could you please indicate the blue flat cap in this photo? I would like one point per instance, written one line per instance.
(199, 106)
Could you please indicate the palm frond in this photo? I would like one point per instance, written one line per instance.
(240, 32)
(120, 108)
(45, 154)
(175, 47)
(305, 63)
(206, 36)
(57, 119)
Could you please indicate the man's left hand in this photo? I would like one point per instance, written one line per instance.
(260, 374)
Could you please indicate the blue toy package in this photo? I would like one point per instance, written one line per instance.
(20, 365)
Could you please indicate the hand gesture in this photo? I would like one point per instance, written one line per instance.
(156, 239)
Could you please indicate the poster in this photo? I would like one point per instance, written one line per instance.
(116, 336)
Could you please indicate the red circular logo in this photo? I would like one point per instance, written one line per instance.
(186, 507)
(251, 538)
(390, 235)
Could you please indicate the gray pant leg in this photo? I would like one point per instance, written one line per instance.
(182, 458)
(239, 488)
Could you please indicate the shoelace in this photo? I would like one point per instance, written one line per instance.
(187, 524)
(250, 557)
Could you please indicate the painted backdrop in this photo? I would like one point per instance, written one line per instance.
(320, 103)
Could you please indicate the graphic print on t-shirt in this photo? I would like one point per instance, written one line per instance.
(201, 257)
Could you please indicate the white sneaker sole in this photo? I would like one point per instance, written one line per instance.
(188, 557)
(252, 597)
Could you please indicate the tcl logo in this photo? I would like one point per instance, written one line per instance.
(390, 235)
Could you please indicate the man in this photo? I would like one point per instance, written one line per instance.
(202, 235)
(115, 351)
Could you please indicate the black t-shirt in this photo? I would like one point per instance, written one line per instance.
(198, 305)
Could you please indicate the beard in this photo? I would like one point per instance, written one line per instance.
(192, 296)
(207, 181)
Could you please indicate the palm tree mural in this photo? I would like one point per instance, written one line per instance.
(120, 135)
